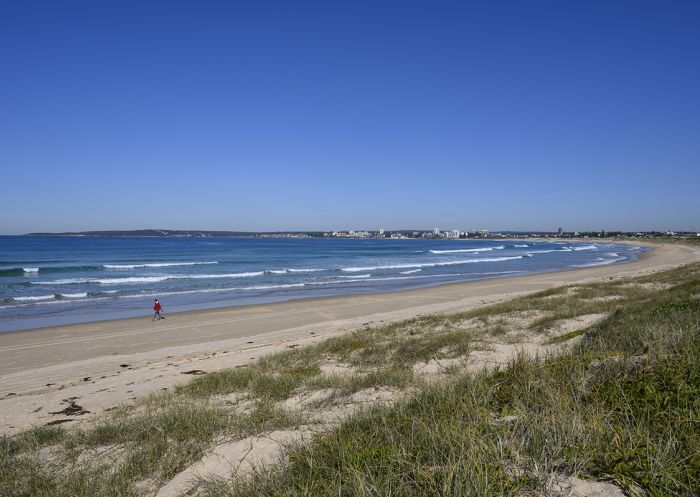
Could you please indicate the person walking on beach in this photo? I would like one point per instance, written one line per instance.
(157, 308)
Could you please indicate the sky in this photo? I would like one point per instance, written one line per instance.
(259, 116)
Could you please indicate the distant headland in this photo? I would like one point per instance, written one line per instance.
(394, 234)
(149, 232)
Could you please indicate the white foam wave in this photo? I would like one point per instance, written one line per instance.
(521, 246)
(411, 271)
(71, 281)
(585, 247)
(345, 281)
(34, 298)
(81, 295)
(452, 275)
(217, 290)
(601, 262)
(430, 264)
(53, 301)
(455, 251)
(289, 270)
(30, 269)
(101, 293)
(416, 277)
(156, 265)
(127, 281)
(356, 277)
(105, 281)
(216, 276)
(314, 270)
(273, 287)
(565, 249)
(472, 250)
(145, 279)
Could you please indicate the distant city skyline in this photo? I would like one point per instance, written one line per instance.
(317, 116)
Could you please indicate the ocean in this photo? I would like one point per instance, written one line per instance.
(47, 281)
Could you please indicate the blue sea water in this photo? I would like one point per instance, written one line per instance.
(45, 281)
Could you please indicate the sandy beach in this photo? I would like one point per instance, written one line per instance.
(99, 365)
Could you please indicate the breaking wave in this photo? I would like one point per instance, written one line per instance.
(218, 290)
(251, 274)
(34, 298)
(80, 295)
(19, 271)
(600, 262)
(107, 281)
(290, 271)
(155, 265)
(585, 247)
(456, 251)
(472, 250)
(146, 279)
(549, 251)
(430, 264)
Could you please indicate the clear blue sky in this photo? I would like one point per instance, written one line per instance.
(348, 115)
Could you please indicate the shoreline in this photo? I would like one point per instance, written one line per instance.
(65, 305)
(46, 322)
(641, 256)
(108, 362)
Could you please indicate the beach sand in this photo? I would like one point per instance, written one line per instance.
(95, 366)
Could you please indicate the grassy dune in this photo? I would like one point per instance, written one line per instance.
(621, 404)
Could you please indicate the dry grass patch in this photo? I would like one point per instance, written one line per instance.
(310, 399)
(498, 355)
(569, 291)
(653, 287)
(239, 457)
(436, 369)
(605, 298)
(513, 323)
(560, 485)
(577, 323)
(241, 403)
(376, 395)
(337, 368)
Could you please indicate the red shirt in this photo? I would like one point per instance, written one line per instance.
(156, 306)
